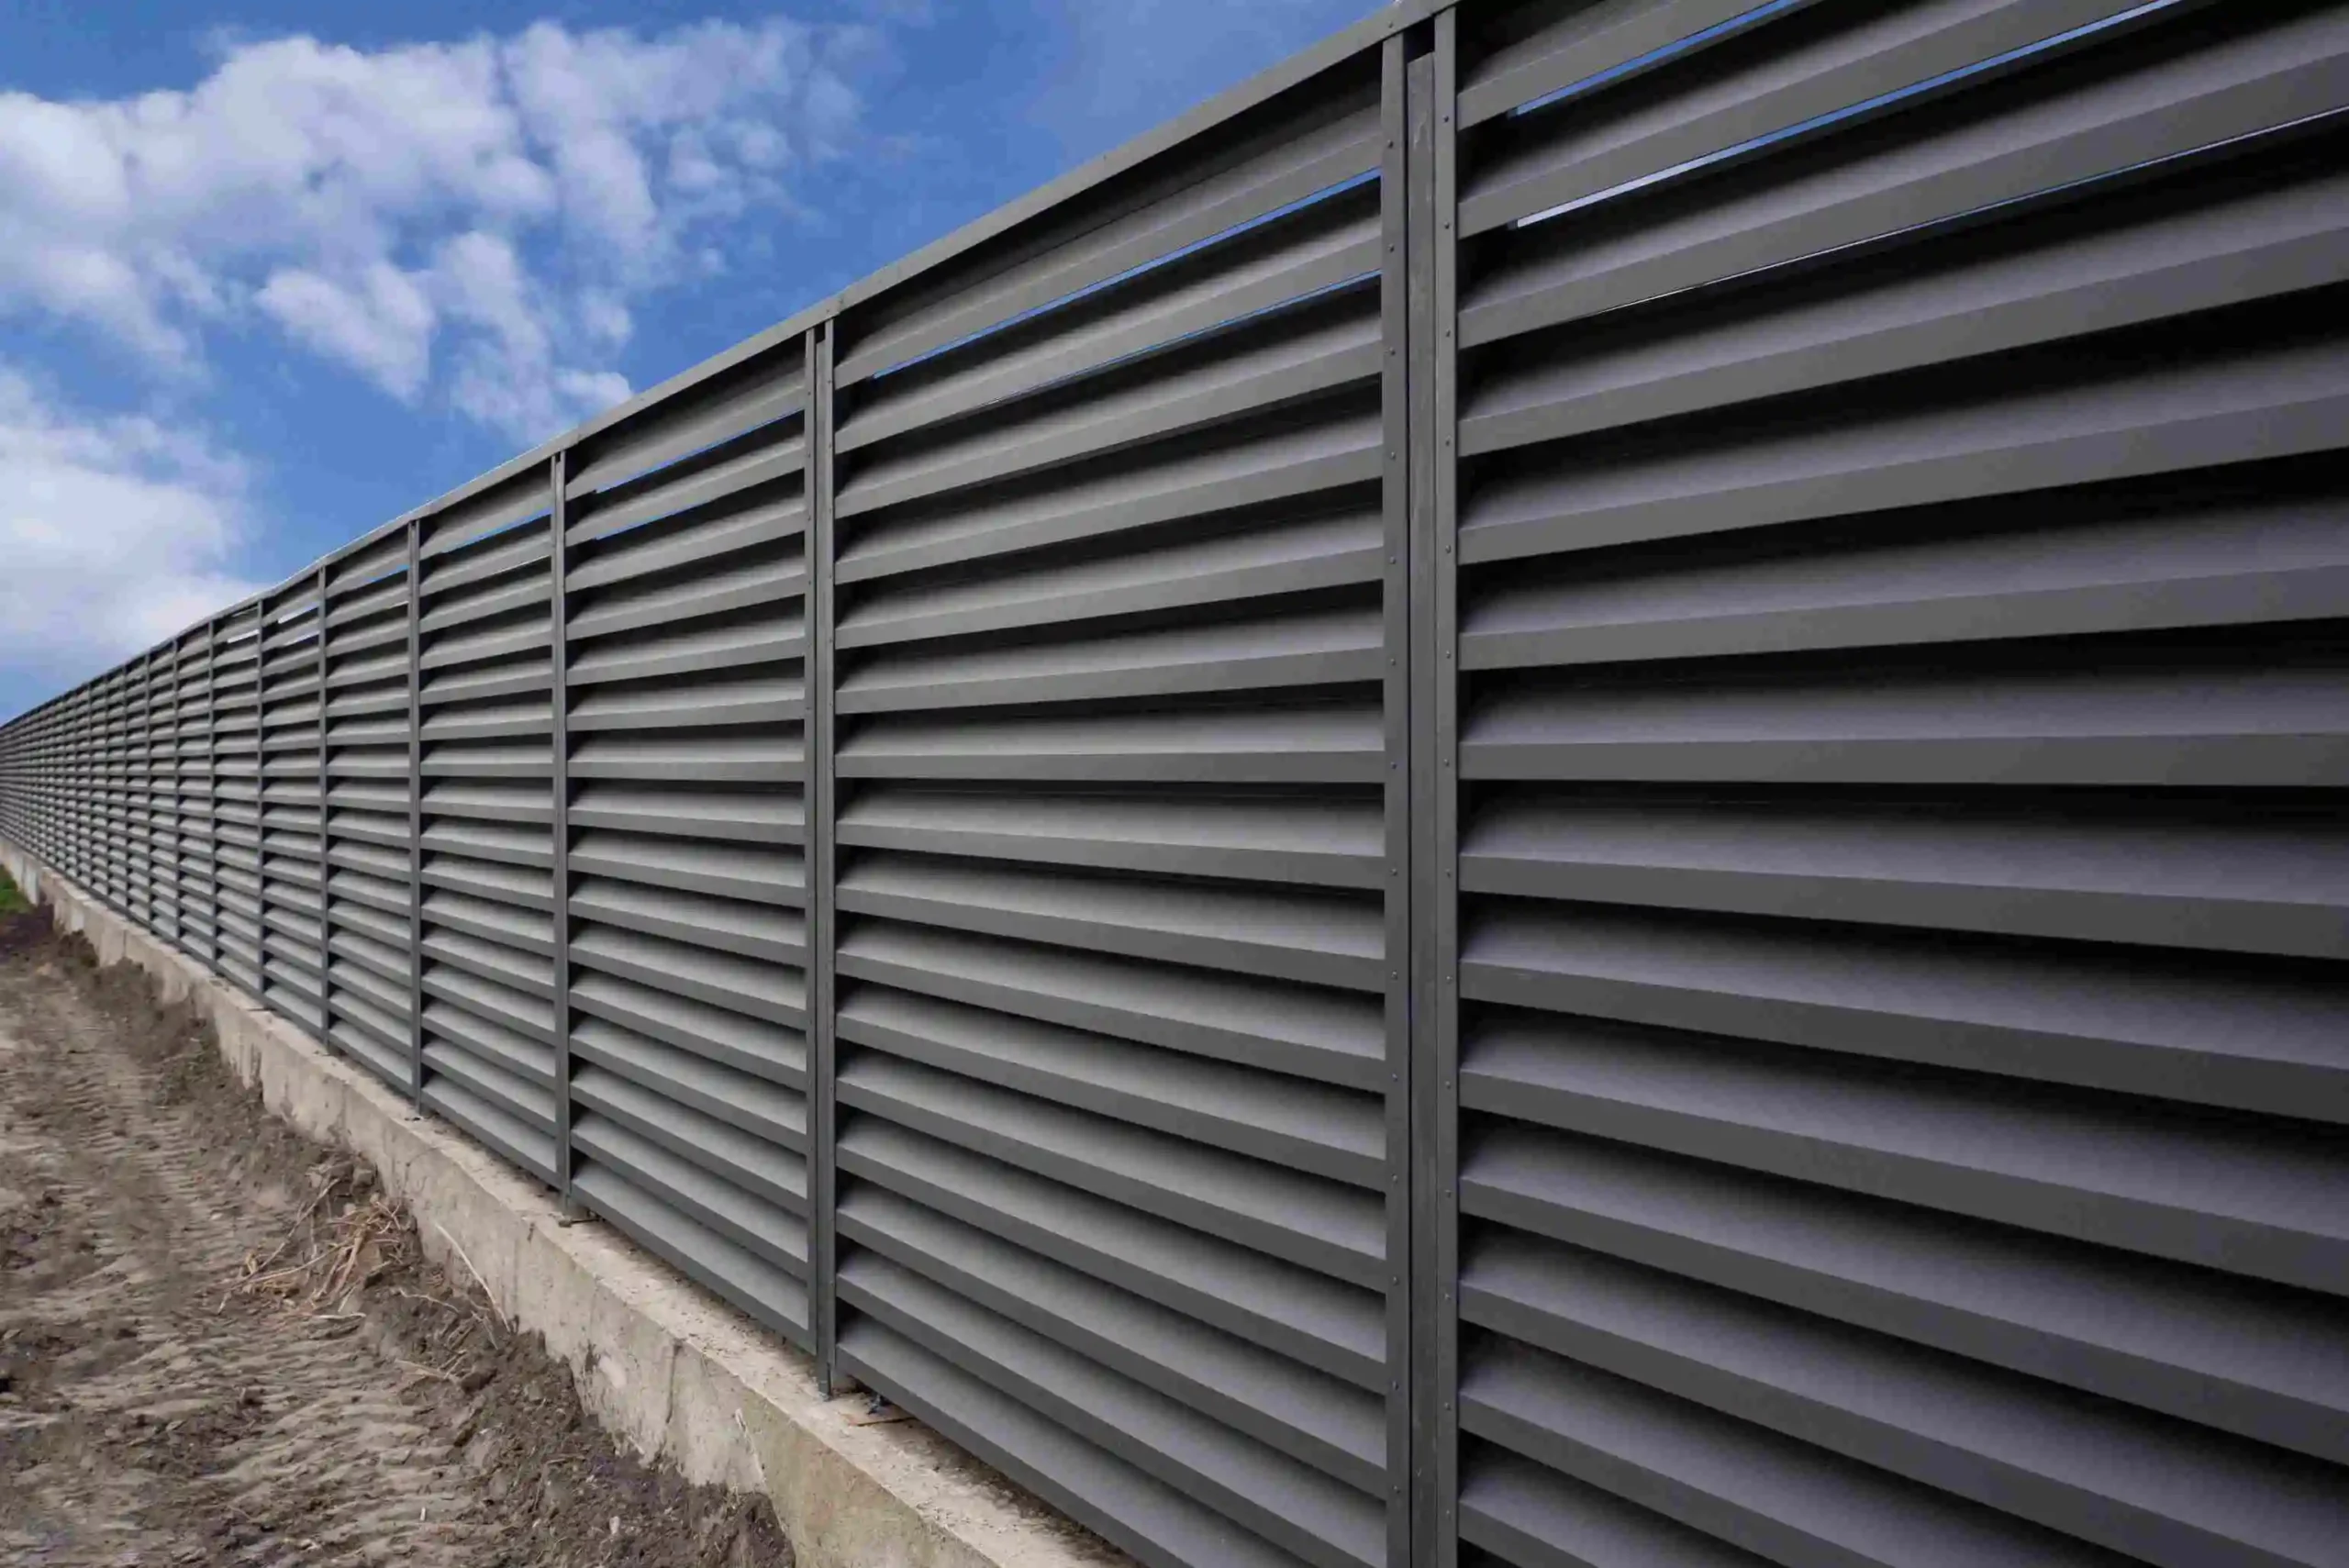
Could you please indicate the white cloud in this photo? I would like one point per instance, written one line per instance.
(116, 531)
(508, 374)
(380, 322)
(470, 216)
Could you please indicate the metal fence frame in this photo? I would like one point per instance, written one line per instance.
(757, 562)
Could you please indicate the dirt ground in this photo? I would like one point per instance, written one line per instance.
(219, 1343)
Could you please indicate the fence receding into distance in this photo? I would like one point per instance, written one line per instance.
(1564, 791)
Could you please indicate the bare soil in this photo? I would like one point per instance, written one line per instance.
(220, 1344)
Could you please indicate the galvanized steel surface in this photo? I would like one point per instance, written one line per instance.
(1567, 793)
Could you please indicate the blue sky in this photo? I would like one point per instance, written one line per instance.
(271, 272)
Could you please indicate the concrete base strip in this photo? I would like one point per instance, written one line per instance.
(671, 1370)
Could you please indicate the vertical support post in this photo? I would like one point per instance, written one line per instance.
(1395, 503)
(326, 935)
(559, 699)
(94, 730)
(145, 751)
(139, 839)
(212, 799)
(263, 706)
(162, 792)
(415, 812)
(133, 751)
(1436, 796)
(80, 800)
(823, 1314)
(141, 834)
(85, 794)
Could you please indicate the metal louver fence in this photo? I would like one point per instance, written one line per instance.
(1566, 790)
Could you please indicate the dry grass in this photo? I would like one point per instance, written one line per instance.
(339, 1243)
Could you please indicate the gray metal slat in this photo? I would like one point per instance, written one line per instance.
(1318, 1518)
(525, 496)
(505, 840)
(491, 1125)
(768, 1294)
(719, 756)
(1319, 1223)
(1304, 556)
(701, 419)
(1266, 1299)
(1311, 1127)
(668, 492)
(483, 995)
(524, 933)
(1297, 648)
(664, 547)
(756, 1107)
(1778, 92)
(710, 813)
(1597, 45)
(750, 987)
(670, 652)
(1273, 468)
(727, 870)
(1786, 1501)
(770, 696)
(1289, 369)
(2236, 87)
(2260, 1361)
(1329, 1035)
(2091, 422)
(2109, 568)
(775, 1051)
(2206, 247)
(1325, 743)
(480, 1079)
(771, 1234)
(1336, 1429)
(2267, 1202)
(1286, 257)
(1330, 140)
(1314, 840)
(2157, 1490)
(764, 579)
(2270, 1039)
(766, 1172)
(1529, 1515)
(1288, 933)
(765, 931)
(527, 1060)
(2259, 727)
(1119, 1501)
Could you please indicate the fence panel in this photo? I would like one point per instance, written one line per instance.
(1112, 967)
(175, 831)
(111, 852)
(487, 1027)
(369, 877)
(291, 913)
(236, 806)
(686, 646)
(139, 779)
(198, 894)
(1901, 1026)
(22, 782)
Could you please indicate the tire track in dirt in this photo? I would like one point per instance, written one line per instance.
(157, 1407)
(151, 1419)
